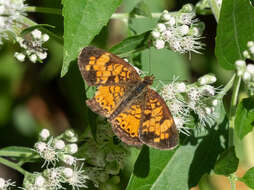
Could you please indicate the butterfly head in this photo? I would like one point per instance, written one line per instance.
(148, 80)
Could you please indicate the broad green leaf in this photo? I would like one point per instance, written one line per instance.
(183, 169)
(141, 9)
(244, 121)
(248, 178)
(227, 163)
(37, 26)
(16, 151)
(164, 64)
(235, 29)
(83, 20)
(130, 44)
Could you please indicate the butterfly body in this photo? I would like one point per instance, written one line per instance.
(138, 114)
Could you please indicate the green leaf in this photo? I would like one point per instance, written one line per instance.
(244, 121)
(227, 163)
(83, 20)
(131, 44)
(235, 29)
(164, 64)
(31, 28)
(182, 169)
(141, 9)
(16, 151)
(248, 178)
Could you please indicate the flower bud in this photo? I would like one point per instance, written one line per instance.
(156, 34)
(36, 34)
(68, 172)
(161, 27)
(20, 56)
(207, 79)
(39, 181)
(44, 134)
(250, 68)
(59, 144)
(246, 54)
(159, 44)
(246, 76)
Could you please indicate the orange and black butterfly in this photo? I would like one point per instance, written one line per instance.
(137, 113)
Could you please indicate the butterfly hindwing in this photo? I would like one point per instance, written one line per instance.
(157, 129)
(99, 67)
(126, 124)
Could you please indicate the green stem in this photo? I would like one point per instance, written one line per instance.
(13, 166)
(232, 180)
(44, 10)
(236, 87)
(126, 16)
(215, 9)
(227, 87)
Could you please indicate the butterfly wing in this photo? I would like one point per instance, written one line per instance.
(99, 67)
(158, 128)
(126, 124)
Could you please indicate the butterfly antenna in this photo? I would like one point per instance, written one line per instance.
(150, 61)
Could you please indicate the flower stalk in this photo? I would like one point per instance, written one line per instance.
(13, 166)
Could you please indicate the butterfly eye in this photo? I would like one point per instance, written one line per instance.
(128, 129)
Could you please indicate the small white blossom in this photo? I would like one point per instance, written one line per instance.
(59, 144)
(156, 34)
(5, 184)
(68, 159)
(250, 44)
(161, 27)
(246, 54)
(40, 146)
(76, 178)
(72, 148)
(180, 87)
(45, 37)
(33, 58)
(44, 134)
(246, 76)
(250, 68)
(207, 79)
(184, 29)
(208, 110)
(240, 63)
(171, 21)
(40, 181)
(42, 55)
(159, 44)
(36, 34)
(215, 102)
(20, 56)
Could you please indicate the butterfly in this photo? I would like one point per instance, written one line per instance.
(138, 115)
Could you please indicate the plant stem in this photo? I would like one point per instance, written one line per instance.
(236, 87)
(232, 180)
(44, 10)
(227, 87)
(13, 166)
(126, 15)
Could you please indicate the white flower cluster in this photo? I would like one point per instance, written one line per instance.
(247, 71)
(32, 48)
(10, 12)
(106, 156)
(52, 179)
(179, 31)
(6, 184)
(198, 98)
(53, 150)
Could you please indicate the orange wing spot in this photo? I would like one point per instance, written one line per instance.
(116, 79)
(156, 140)
(92, 58)
(99, 73)
(117, 89)
(146, 112)
(103, 59)
(118, 68)
(166, 125)
(151, 129)
(107, 73)
(157, 111)
(162, 136)
(104, 80)
(157, 130)
(128, 75)
(99, 67)
(158, 118)
(92, 62)
(88, 67)
(166, 135)
(123, 74)
(153, 106)
(110, 68)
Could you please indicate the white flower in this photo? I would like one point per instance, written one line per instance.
(5, 184)
(246, 76)
(184, 29)
(36, 34)
(40, 181)
(250, 68)
(156, 34)
(40, 147)
(68, 159)
(76, 178)
(161, 27)
(159, 44)
(72, 148)
(42, 55)
(44, 134)
(45, 37)
(251, 50)
(215, 102)
(208, 110)
(207, 79)
(240, 63)
(246, 54)
(33, 58)
(20, 56)
(171, 21)
(180, 87)
(250, 44)
(59, 144)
